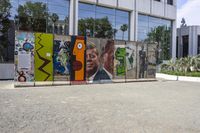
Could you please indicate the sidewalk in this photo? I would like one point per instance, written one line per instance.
(9, 84)
(139, 107)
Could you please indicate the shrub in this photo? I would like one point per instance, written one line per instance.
(187, 66)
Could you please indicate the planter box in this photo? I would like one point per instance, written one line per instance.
(184, 78)
(166, 76)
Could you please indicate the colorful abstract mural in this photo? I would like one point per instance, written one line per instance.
(24, 56)
(78, 60)
(61, 57)
(43, 57)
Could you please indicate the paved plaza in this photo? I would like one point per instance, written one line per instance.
(140, 107)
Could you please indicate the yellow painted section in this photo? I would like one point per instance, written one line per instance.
(43, 57)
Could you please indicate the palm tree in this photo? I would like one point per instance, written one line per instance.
(196, 62)
(186, 63)
(124, 28)
(171, 65)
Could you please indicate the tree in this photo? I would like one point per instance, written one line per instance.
(86, 24)
(5, 7)
(33, 16)
(54, 18)
(124, 28)
(100, 28)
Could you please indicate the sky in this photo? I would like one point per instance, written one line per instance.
(190, 10)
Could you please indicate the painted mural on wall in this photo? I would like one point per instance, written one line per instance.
(107, 59)
(43, 57)
(142, 61)
(93, 64)
(78, 60)
(120, 60)
(24, 57)
(131, 60)
(48, 57)
(152, 53)
(61, 58)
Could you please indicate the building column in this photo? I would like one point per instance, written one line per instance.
(73, 17)
(174, 39)
(132, 26)
(195, 41)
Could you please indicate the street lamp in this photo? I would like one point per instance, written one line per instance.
(16, 19)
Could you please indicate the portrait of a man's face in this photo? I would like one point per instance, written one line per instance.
(92, 63)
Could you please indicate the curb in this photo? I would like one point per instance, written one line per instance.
(177, 78)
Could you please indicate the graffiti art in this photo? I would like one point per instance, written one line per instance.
(107, 58)
(43, 57)
(152, 60)
(142, 61)
(61, 58)
(24, 56)
(78, 60)
(120, 60)
(130, 60)
(93, 63)
(48, 57)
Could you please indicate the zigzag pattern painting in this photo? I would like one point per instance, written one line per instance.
(43, 57)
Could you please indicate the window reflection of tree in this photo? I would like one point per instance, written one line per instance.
(161, 35)
(5, 24)
(94, 15)
(32, 16)
(38, 17)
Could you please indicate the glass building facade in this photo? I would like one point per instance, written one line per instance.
(158, 30)
(41, 15)
(47, 16)
(102, 22)
(50, 16)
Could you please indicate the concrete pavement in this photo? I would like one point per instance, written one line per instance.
(139, 107)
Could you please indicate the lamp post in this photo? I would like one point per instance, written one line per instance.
(16, 19)
(86, 29)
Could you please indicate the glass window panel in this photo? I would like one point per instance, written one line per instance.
(89, 7)
(165, 33)
(154, 20)
(60, 3)
(116, 18)
(143, 24)
(86, 14)
(105, 10)
(58, 9)
(122, 20)
(110, 18)
(143, 18)
(122, 13)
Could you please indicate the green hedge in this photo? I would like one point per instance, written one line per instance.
(177, 73)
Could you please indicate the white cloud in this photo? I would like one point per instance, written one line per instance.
(190, 11)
